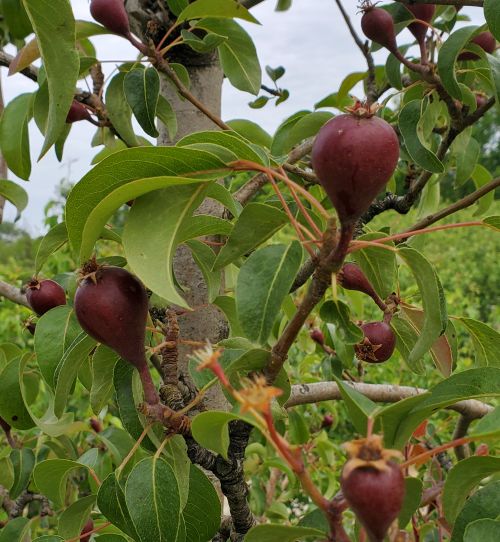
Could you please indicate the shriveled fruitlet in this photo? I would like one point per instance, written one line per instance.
(96, 425)
(354, 156)
(87, 528)
(112, 15)
(327, 421)
(317, 336)
(351, 277)
(373, 485)
(378, 26)
(44, 295)
(424, 12)
(111, 305)
(485, 40)
(77, 112)
(378, 343)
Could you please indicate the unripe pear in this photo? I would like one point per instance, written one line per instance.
(351, 277)
(77, 112)
(111, 305)
(378, 26)
(112, 15)
(424, 12)
(485, 40)
(378, 343)
(44, 295)
(354, 156)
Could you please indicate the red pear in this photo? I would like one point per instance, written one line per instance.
(44, 295)
(378, 26)
(378, 343)
(354, 156)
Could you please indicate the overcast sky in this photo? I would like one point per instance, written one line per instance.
(310, 40)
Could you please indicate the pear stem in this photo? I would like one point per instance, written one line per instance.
(150, 393)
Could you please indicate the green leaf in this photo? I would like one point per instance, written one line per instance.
(421, 155)
(55, 332)
(413, 494)
(176, 6)
(281, 533)
(462, 478)
(119, 111)
(275, 73)
(492, 14)
(441, 350)
(378, 264)
(167, 116)
(263, 283)
(486, 342)
(210, 430)
(50, 243)
(348, 83)
(6, 473)
(257, 223)
(23, 462)
(434, 305)
(221, 194)
(15, 194)
(123, 176)
(238, 147)
(447, 57)
(15, 530)
(153, 501)
(14, 136)
(495, 74)
(492, 222)
(151, 257)
(482, 176)
(73, 519)
(68, 368)
(406, 337)
(227, 305)
(251, 131)
(12, 407)
(202, 513)
(307, 126)
(487, 426)
(338, 313)
(483, 504)
(142, 89)
(16, 18)
(400, 420)
(54, 26)
(215, 8)
(51, 476)
(360, 408)
(238, 56)
(283, 5)
(111, 502)
(204, 257)
(123, 382)
(482, 530)
(103, 365)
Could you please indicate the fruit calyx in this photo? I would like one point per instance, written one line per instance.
(368, 452)
(378, 343)
(363, 109)
(373, 485)
(43, 295)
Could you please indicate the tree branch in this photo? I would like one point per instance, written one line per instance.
(248, 191)
(12, 294)
(31, 72)
(303, 394)
(465, 202)
(365, 50)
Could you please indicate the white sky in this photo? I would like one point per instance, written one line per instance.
(310, 40)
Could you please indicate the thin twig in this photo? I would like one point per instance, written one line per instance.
(465, 202)
(365, 50)
(13, 294)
